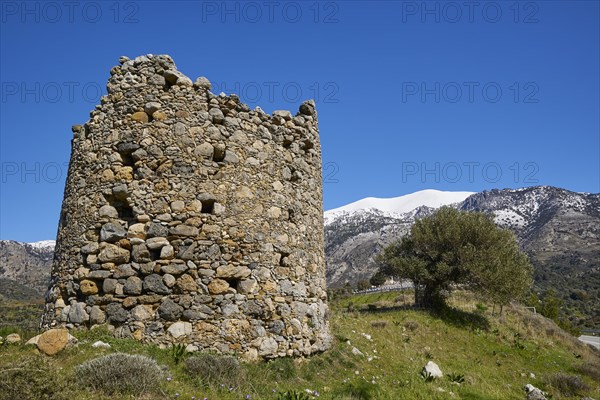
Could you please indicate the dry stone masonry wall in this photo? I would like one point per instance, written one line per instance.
(189, 218)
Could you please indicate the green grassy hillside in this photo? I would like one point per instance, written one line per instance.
(482, 356)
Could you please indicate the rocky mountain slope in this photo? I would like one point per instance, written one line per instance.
(559, 229)
(25, 269)
(356, 232)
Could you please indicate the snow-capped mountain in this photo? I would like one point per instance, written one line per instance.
(559, 229)
(355, 232)
(42, 244)
(397, 206)
(527, 211)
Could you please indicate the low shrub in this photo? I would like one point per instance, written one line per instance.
(411, 325)
(31, 377)
(215, 369)
(381, 304)
(567, 385)
(379, 324)
(591, 369)
(120, 373)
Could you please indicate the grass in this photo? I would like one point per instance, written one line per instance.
(21, 314)
(482, 355)
(214, 370)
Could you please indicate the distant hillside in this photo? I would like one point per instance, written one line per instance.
(25, 269)
(11, 290)
(559, 229)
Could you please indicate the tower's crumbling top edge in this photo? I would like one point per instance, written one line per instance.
(175, 77)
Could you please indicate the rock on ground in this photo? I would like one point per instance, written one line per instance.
(13, 338)
(101, 345)
(534, 393)
(433, 369)
(53, 341)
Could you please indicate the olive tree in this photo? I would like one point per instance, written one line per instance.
(454, 248)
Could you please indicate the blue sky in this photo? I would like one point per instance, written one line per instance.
(411, 95)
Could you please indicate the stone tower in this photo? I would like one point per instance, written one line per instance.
(189, 218)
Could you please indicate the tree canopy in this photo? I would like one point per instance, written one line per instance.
(456, 248)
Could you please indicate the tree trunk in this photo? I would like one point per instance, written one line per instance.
(432, 297)
(417, 288)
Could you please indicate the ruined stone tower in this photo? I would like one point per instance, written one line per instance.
(189, 218)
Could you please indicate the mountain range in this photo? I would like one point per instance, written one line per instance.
(25, 269)
(557, 228)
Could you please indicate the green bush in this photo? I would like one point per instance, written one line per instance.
(31, 377)
(120, 373)
(178, 352)
(456, 378)
(293, 395)
(214, 369)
